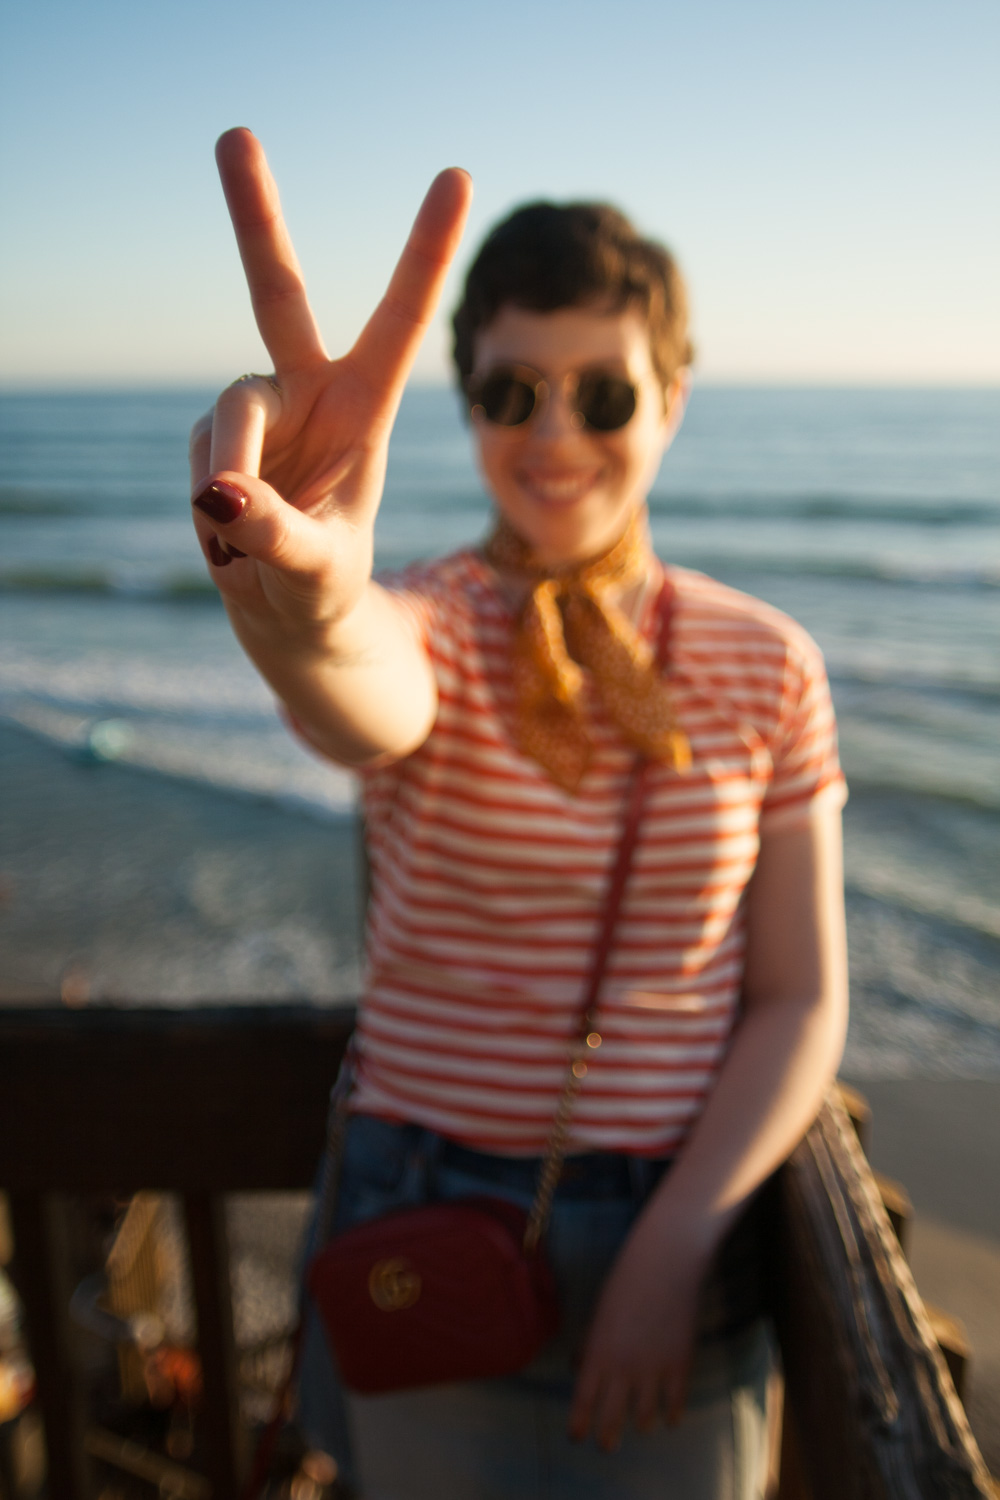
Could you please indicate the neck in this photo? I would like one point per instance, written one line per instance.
(620, 574)
(628, 551)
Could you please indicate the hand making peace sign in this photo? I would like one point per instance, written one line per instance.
(287, 474)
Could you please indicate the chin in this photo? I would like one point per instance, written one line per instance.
(569, 532)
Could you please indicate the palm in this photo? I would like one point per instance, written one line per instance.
(320, 456)
(320, 445)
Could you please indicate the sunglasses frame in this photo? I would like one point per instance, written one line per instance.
(541, 391)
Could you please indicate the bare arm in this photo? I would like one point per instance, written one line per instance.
(782, 1059)
(286, 482)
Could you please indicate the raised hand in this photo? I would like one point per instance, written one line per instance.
(287, 471)
(319, 442)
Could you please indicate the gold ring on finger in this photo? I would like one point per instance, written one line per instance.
(253, 375)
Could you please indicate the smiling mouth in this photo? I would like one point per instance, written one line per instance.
(558, 488)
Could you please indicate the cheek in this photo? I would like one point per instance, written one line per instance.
(625, 459)
(489, 456)
(646, 453)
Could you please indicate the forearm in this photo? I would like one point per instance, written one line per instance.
(788, 1043)
(360, 688)
(780, 1064)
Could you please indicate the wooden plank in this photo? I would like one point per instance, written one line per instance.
(227, 1099)
(953, 1340)
(170, 1479)
(871, 1400)
(858, 1112)
(897, 1204)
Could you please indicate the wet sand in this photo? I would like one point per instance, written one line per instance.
(125, 886)
(941, 1139)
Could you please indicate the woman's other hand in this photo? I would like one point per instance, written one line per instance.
(641, 1342)
(287, 471)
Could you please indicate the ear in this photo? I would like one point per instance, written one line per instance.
(675, 402)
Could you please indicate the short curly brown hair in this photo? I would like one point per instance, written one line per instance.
(547, 256)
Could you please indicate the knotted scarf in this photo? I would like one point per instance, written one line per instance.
(569, 622)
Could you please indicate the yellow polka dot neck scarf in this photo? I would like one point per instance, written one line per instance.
(569, 622)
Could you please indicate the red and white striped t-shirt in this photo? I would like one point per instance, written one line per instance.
(488, 878)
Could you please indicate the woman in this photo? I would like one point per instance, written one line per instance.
(494, 703)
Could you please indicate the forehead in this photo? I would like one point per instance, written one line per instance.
(570, 338)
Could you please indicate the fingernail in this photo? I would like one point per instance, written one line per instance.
(233, 551)
(220, 558)
(221, 502)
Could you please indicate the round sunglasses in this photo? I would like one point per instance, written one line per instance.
(510, 394)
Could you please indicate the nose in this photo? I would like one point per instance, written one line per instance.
(558, 417)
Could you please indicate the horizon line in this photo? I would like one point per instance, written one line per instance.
(122, 384)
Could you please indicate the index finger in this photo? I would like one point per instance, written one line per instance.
(274, 276)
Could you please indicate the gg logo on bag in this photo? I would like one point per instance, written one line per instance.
(394, 1284)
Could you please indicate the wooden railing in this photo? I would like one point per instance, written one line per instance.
(212, 1101)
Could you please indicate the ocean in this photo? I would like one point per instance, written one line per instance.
(871, 516)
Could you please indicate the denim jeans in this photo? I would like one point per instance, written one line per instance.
(501, 1439)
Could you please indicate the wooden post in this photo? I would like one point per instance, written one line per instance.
(206, 1226)
(42, 1277)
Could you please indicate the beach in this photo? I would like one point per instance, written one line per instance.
(123, 886)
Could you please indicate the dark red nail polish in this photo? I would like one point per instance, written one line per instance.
(233, 551)
(221, 501)
(220, 558)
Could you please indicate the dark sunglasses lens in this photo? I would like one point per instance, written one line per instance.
(506, 400)
(606, 402)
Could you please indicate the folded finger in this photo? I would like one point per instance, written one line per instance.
(243, 413)
(200, 453)
(649, 1406)
(675, 1390)
(277, 288)
(612, 1413)
(251, 519)
(585, 1398)
(203, 425)
(389, 341)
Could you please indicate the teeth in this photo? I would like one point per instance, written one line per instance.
(550, 488)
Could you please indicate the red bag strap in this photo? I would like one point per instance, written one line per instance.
(588, 1037)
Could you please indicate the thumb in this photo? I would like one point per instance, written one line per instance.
(250, 519)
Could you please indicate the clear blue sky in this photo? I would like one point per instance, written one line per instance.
(827, 174)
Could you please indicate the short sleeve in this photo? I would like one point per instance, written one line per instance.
(805, 758)
(417, 609)
(433, 603)
(425, 603)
